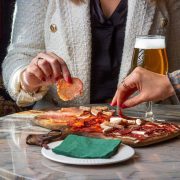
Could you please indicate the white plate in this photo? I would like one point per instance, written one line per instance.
(125, 152)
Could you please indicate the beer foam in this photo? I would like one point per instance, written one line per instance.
(150, 43)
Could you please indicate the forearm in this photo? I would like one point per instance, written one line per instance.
(26, 42)
(22, 97)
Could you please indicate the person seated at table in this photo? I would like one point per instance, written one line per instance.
(91, 40)
(149, 85)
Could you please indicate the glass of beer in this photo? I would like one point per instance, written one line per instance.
(150, 53)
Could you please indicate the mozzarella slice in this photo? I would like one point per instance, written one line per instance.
(107, 129)
(138, 122)
(131, 121)
(104, 125)
(138, 132)
(115, 120)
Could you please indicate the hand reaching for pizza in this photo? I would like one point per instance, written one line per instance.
(45, 69)
(149, 85)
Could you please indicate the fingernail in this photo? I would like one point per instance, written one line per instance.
(69, 80)
(123, 106)
(113, 104)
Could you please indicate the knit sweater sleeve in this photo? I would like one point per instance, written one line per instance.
(27, 40)
(175, 81)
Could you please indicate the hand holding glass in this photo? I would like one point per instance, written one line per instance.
(150, 53)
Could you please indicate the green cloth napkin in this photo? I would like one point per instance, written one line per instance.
(85, 147)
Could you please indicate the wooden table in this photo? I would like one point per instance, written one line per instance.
(161, 161)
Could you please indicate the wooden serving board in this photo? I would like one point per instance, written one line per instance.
(66, 131)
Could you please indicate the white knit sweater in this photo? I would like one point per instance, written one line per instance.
(72, 40)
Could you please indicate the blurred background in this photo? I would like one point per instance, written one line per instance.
(7, 105)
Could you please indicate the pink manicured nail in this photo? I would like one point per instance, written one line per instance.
(113, 104)
(123, 106)
(69, 80)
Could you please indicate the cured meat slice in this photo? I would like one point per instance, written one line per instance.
(72, 111)
(54, 115)
(67, 91)
(85, 108)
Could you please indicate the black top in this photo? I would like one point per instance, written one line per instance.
(107, 47)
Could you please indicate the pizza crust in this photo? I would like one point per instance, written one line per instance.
(135, 143)
(155, 140)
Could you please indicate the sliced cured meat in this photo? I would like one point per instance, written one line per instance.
(67, 91)
(73, 118)
(144, 132)
(54, 115)
(93, 122)
(85, 108)
(72, 111)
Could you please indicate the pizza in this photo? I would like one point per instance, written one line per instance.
(139, 132)
(101, 122)
(75, 119)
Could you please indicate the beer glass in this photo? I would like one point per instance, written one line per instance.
(150, 53)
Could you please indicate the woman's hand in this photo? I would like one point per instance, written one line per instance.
(151, 87)
(44, 69)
